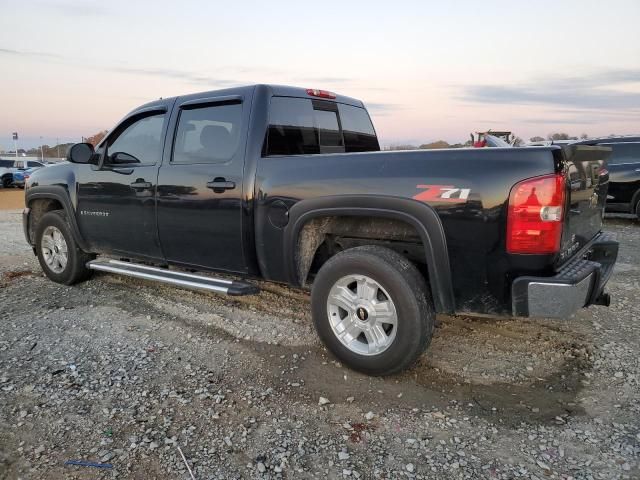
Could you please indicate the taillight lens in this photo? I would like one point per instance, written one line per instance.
(535, 215)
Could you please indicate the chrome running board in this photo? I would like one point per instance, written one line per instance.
(173, 277)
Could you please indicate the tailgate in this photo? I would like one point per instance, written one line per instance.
(588, 179)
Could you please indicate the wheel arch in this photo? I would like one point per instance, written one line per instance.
(50, 196)
(422, 217)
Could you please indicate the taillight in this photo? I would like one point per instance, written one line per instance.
(535, 214)
(320, 93)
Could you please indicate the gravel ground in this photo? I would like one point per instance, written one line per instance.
(126, 372)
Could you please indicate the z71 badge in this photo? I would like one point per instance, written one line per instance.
(442, 193)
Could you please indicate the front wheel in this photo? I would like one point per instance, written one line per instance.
(60, 257)
(372, 310)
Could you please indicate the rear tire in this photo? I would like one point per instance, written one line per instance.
(58, 253)
(637, 212)
(7, 181)
(372, 309)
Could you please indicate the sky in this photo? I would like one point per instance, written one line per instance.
(427, 70)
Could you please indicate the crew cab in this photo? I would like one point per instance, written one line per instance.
(289, 185)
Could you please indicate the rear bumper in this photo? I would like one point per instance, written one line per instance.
(579, 284)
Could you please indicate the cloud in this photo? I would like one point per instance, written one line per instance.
(594, 91)
(176, 74)
(81, 8)
(157, 72)
(382, 108)
(9, 51)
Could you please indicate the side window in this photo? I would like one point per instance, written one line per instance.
(291, 127)
(140, 143)
(208, 134)
(624, 152)
(357, 129)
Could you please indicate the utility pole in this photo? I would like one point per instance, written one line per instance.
(57, 147)
(41, 152)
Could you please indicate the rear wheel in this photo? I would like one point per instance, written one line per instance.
(60, 257)
(7, 181)
(638, 209)
(372, 310)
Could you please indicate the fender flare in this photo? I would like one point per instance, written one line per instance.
(417, 214)
(58, 193)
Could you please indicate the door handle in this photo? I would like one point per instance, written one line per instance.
(140, 185)
(219, 185)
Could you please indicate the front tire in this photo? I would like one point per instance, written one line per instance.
(60, 257)
(372, 310)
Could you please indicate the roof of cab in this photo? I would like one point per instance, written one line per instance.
(276, 90)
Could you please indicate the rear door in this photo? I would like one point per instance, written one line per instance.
(588, 180)
(200, 197)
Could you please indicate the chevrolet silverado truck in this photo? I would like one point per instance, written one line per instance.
(289, 185)
(623, 195)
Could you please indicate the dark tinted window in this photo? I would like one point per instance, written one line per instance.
(34, 164)
(140, 142)
(357, 129)
(291, 127)
(624, 153)
(6, 163)
(208, 134)
(300, 126)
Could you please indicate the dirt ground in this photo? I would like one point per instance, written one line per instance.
(11, 198)
(130, 374)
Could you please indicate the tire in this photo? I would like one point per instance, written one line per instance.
(7, 181)
(354, 298)
(53, 236)
(637, 211)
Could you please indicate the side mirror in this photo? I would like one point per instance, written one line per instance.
(80, 153)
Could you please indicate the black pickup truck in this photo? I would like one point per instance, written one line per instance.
(288, 185)
(624, 173)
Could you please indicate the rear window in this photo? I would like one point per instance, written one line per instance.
(299, 126)
(6, 163)
(624, 153)
(357, 129)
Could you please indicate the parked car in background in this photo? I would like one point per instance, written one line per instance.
(6, 172)
(624, 173)
(20, 177)
(24, 164)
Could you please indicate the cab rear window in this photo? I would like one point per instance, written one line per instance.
(299, 126)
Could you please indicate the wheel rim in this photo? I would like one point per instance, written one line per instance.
(362, 315)
(54, 249)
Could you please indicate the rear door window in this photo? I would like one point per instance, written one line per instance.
(208, 134)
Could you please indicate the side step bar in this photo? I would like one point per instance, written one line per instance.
(173, 277)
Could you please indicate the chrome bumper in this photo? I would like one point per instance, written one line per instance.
(578, 284)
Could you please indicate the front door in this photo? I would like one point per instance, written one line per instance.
(200, 185)
(116, 203)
